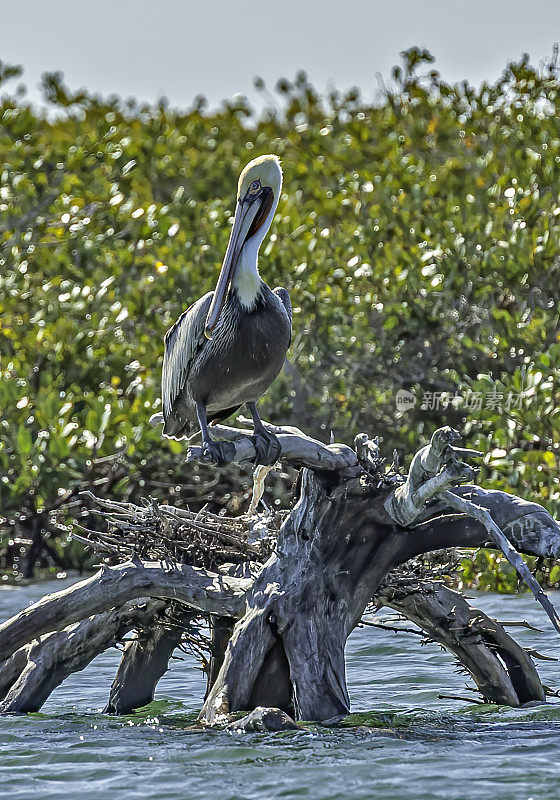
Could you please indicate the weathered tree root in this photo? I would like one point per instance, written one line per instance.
(146, 657)
(352, 524)
(113, 586)
(502, 670)
(35, 670)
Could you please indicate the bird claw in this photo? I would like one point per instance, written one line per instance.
(267, 447)
(218, 453)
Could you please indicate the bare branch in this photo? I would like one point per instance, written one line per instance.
(485, 517)
(297, 449)
(48, 661)
(112, 586)
(435, 468)
(502, 670)
(433, 471)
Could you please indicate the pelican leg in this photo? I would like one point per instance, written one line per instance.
(266, 443)
(218, 453)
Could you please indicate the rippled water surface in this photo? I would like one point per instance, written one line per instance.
(406, 744)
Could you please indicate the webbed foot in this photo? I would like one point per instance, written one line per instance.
(219, 453)
(267, 446)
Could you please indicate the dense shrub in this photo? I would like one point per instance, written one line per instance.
(418, 238)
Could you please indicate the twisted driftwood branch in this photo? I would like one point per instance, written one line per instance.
(208, 592)
(434, 469)
(297, 449)
(502, 670)
(485, 517)
(292, 596)
(36, 669)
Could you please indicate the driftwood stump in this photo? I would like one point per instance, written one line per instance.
(282, 603)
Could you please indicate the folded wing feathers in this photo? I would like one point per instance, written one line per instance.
(283, 295)
(182, 342)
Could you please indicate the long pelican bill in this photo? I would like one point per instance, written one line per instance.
(250, 214)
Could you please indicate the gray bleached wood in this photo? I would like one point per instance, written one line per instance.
(351, 525)
(47, 661)
(484, 516)
(146, 656)
(502, 670)
(434, 469)
(297, 448)
(205, 591)
(332, 553)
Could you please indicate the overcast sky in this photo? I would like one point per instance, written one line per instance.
(179, 48)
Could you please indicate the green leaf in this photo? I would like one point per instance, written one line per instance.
(23, 440)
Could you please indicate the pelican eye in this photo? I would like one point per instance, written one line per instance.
(255, 186)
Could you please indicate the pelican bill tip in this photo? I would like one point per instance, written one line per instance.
(208, 334)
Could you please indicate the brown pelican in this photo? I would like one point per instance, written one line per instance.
(228, 347)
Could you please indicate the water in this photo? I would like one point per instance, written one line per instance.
(406, 744)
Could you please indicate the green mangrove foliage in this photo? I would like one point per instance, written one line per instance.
(418, 237)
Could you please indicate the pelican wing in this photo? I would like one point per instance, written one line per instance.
(283, 295)
(284, 298)
(182, 343)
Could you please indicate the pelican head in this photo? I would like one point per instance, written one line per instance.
(258, 192)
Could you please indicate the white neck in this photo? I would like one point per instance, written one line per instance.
(247, 281)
